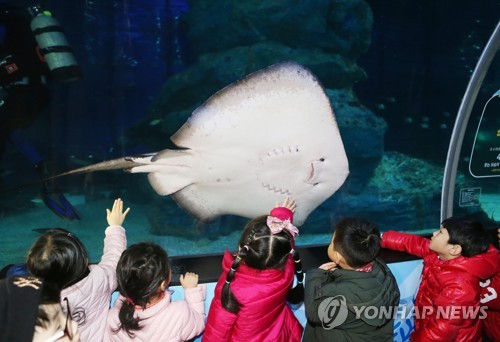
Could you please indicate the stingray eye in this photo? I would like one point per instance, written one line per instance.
(315, 184)
(322, 159)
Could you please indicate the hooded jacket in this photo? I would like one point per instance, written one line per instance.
(89, 298)
(264, 314)
(490, 296)
(165, 321)
(447, 304)
(349, 305)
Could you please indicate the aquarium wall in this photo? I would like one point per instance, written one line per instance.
(394, 72)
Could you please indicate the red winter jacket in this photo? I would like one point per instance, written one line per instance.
(490, 296)
(448, 297)
(264, 314)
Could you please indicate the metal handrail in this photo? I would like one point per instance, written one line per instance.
(457, 136)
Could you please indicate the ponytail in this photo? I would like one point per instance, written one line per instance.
(296, 294)
(127, 320)
(141, 270)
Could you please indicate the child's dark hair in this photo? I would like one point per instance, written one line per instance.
(467, 233)
(58, 257)
(50, 294)
(140, 271)
(358, 241)
(260, 249)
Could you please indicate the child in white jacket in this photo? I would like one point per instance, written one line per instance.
(144, 310)
(59, 257)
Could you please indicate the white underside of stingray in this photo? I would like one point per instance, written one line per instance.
(268, 136)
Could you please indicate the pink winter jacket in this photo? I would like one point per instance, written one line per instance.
(264, 314)
(165, 321)
(89, 299)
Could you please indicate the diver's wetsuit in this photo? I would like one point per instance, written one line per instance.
(24, 96)
(23, 93)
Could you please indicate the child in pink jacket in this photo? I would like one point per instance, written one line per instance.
(59, 257)
(144, 310)
(250, 300)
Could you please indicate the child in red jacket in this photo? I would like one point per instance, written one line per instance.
(250, 297)
(456, 258)
(490, 296)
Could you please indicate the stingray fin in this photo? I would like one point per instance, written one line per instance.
(190, 201)
(166, 184)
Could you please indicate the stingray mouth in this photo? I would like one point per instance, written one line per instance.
(312, 176)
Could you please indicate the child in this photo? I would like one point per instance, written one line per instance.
(60, 257)
(455, 259)
(250, 297)
(490, 296)
(30, 310)
(357, 280)
(143, 311)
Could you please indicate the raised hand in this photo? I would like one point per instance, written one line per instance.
(289, 204)
(189, 280)
(116, 216)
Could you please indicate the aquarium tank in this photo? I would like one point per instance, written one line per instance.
(395, 73)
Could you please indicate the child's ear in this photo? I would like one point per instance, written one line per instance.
(455, 250)
(166, 282)
(339, 258)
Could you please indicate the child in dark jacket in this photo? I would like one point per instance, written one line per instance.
(250, 297)
(456, 258)
(354, 297)
(30, 311)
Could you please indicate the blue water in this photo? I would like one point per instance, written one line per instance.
(416, 68)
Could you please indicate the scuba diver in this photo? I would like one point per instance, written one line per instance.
(33, 50)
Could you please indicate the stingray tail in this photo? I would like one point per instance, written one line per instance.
(168, 171)
(125, 164)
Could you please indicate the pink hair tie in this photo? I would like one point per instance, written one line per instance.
(130, 301)
(276, 225)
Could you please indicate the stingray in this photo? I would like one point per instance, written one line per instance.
(268, 136)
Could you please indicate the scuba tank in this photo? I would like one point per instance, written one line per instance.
(54, 47)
